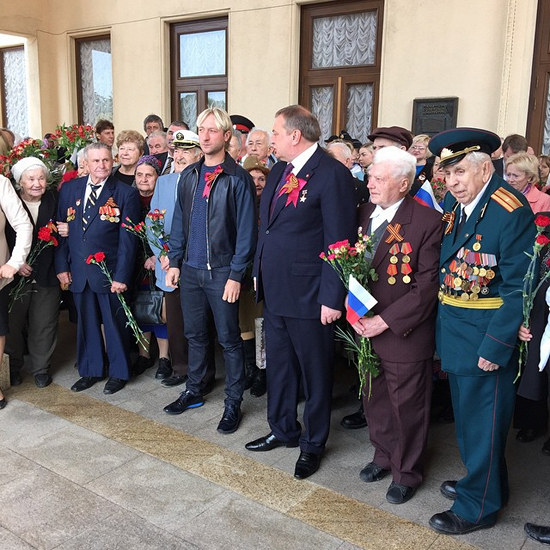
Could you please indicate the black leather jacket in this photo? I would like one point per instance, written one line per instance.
(231, 221)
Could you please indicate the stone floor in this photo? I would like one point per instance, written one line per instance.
(89, 471)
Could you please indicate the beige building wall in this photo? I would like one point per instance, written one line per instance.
(480, 52)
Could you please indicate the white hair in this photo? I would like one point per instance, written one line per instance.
(403, 164)
(342, 147)
(260, 130)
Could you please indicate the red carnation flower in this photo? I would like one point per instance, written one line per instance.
(542, 221)
(99, 256)
(542, 240)
(89, 259)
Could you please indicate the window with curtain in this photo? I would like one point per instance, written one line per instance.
(94, 79)
(198, 81)
(340, 65)
(13, 90)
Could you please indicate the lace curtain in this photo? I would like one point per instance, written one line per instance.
(14, 86)
(96, 80)
(359, 111)
(322, 101)
(188, 108)
(546, 134)
(202, 54)
(344, 40)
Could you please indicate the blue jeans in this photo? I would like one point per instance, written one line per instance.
(201, 290)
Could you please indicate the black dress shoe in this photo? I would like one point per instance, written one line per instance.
(546, 447)
(448, 489)
(85, 383)
(540, 533)
(306, 465)
(267, 443)
(174, 380)
(451, 524)
(3, 403)
(113, 385)
(528, 434)
(231, 419)
(259, 386)
(354, 421)
(399, 494)
(372, 472)
(164, 369)
(42, 380)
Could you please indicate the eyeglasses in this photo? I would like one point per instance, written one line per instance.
(418, 148)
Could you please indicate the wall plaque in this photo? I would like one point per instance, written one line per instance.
(433, 115)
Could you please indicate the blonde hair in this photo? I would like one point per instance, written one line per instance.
(131, 136)
(529, 164)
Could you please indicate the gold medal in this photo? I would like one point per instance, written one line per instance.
(391, 280)
(457, 282)
(406, 279)
(393, 259)
(490, 274)
(482, 272)
(474, 297)
(476, 246)
(476, 270)
(406, 259)
(476, 289)
(464, 296)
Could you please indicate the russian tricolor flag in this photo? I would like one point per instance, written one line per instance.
(425, 196)
(360, 300)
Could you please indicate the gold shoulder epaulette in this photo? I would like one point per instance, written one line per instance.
(506, 199)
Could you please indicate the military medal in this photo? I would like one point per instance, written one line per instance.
(303, 196)
(485, 291)
(71, 214)
(490, 274)
(78, 202)
(482, 272)
(406, 249)
(406, 269)
(391, 271)
(477, 245)
(393, 251)
(464, 296)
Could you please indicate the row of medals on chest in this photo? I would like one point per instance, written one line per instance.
(469, 273)
(406, 269)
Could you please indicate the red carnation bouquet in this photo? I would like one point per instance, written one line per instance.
(74, 137)
(355, 260)
(529, 288)
(152, 233)
(46, 238)
(99, 259)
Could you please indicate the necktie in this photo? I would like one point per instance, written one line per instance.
(461, 222)
(89, 203)
(286, 172)
(169, 161)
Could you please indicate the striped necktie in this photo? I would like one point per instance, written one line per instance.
(89, 203)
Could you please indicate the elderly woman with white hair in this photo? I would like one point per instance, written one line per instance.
(33, 316)
(12, 211)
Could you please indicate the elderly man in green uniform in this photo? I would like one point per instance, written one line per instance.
(488, 227)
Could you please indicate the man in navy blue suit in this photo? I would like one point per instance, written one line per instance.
(94, 208)
(307, 204)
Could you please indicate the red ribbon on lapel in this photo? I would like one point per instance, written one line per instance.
(394, 235)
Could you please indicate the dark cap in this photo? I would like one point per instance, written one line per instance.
(393, 133)
(252, 162)
(451, 146)
(242, 123)
(332, 138)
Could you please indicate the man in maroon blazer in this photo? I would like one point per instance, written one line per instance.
(407, 240)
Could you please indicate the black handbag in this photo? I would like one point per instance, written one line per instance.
(148, 307)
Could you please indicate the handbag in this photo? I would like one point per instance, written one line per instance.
(148, 307)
